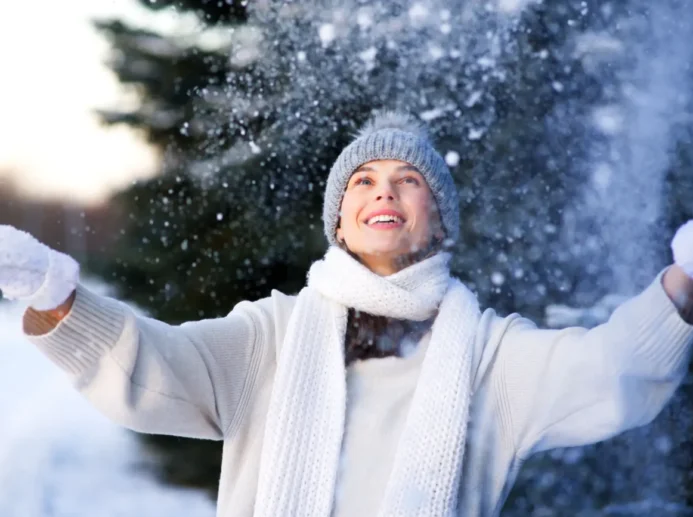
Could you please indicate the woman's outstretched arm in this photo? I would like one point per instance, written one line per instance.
(194, 379)
(577, 386)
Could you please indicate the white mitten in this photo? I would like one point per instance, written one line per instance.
(32, 272)
(682, 248)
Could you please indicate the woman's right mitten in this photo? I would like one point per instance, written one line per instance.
(34, 273)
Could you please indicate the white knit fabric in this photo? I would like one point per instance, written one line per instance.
(305, 422)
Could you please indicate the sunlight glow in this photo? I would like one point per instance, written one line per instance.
(54, 77)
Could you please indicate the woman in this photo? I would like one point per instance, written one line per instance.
(381, 389)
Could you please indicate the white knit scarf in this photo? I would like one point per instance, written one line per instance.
(305, 424)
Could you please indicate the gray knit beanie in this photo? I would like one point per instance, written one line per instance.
(392, 136)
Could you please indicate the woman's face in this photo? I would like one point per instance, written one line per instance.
(388, 213)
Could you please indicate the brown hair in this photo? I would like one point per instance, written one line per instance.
(368, 336)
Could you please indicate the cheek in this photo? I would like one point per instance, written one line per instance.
(423, 207)
(349, 211)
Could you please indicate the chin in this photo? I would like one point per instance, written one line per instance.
(393, 251)
(382, 246)
(385, 247)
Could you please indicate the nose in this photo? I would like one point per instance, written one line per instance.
(385, 191)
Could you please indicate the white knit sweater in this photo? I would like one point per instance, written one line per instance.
(534, 389)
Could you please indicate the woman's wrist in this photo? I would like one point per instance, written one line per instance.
(37, 323)
(679, 287)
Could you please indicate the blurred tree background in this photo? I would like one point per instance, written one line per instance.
(251, 113)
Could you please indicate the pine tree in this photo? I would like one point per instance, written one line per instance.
(159, 261)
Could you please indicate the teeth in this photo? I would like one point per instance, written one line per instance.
(385, 219)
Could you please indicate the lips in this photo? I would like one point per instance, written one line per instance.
(384, 217)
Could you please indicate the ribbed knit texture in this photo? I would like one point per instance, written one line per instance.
(388, 138)
(661, 324)
(80, 340)
(305, 421)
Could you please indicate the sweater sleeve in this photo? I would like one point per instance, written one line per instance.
(191, 380)
(575, 386)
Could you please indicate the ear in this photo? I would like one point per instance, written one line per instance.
(340, 234)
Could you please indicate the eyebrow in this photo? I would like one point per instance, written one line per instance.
(407, 167)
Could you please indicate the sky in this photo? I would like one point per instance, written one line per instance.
(54, 77)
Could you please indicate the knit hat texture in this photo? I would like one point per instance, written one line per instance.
(393, 136)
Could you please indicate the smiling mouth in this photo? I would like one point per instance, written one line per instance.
(385, 220)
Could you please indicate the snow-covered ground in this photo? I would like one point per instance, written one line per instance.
(59, 457)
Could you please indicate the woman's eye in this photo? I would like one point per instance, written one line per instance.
(410, 179)
(363, 181)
